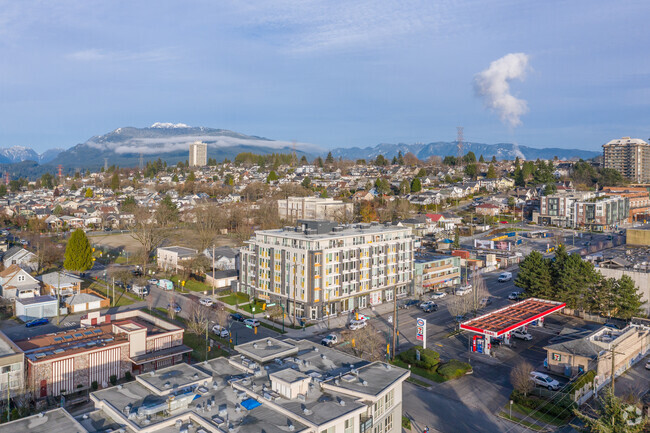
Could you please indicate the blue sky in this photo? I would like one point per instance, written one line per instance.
(334, 73)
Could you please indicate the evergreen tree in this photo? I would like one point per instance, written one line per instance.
(115, 181)
(319, 162)
(382, 185)
(47, 181)
(303, 160)
(471, 170)
(612, 416)
(404, 187)
(381, 161)
(534, 276)
(3, 190)
(394, 161)
(422, 173)
(175, 178)
(481, 159)
(416, 185)
(491, 173)
(400, 158)
(519, 177)
(626, 298)
(494, 159)
(456, 243)
(89, 193)
(469, 157)
(329, 159)
(306, 183)
(273, 176)
(78, 253)
(191, 177)
(58, 210)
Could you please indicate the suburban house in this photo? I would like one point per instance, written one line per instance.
(21, 257)
(487, 209)
(15, 282)
(225, 258)
(63, 282)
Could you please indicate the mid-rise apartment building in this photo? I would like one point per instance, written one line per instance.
(558, 209)
(319, 268)
(436, 272)
(601, 213)
(628, 156)
(639, 200)
(198, 154)
(314, 208)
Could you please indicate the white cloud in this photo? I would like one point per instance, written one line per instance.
(493, 86)
(97, 55)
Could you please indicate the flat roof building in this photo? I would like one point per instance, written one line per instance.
(628, 156)
(320, 268)
(198, 154)
(12, 360)
(295, 208)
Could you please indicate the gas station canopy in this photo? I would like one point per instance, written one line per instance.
(514, 316)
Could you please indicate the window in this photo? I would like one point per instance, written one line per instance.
(349, 425)
(329, 430)
(21, 278)
(379, 408)
(388, 423)
(388, 399)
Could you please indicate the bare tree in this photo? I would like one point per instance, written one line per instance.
(171, 313)
(479, 293)
(198, 318)
(222, 315)
(150, 302)
(275, 312)
(208, 219)
(459, 305)
(368, 343)
(520, 378)
(147, 233)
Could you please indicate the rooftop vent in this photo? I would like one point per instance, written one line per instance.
(364, 382)
(269, 343)
(254, 345)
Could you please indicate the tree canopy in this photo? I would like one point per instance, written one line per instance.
(78, 253)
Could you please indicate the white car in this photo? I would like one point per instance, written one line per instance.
(357, 324)
(252, 322)
(438, 295)
(544, 380)
(153, 281)
(220, 331)
(522, 335)
(647, 365)
(206, 302)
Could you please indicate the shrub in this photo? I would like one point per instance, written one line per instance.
(113, 380)
(429, 359)
(94, 385)
(453, 369)
(128, 376)
(406, 422)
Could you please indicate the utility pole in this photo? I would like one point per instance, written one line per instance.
(213, 276)
(614, 353)
(58, 296)
(394, 322)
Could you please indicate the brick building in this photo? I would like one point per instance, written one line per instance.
(104, 346)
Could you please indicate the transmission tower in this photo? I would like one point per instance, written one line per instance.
(141, 161)
(105, 164)
(459, 142)
(60, 167)
(294, 159)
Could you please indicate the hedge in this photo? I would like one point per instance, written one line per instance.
(429, 359)
(453, 369)
(562, 405)
(586, 378)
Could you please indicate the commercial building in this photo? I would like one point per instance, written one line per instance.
(198, 154)
(594, 352)
(583, 209)
(12, 361)
(271, 386)
(105, 346)
(628, 156)
(319, 268)
(435, 273)
(314, 208)
(638, 197)
(558, 209)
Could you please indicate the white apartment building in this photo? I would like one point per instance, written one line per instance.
(198, 154)
(313, 208)
(319, 268)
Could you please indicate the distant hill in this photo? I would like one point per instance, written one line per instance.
(14, 154)
(443, 148)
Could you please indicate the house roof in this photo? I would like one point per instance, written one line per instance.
(59, 279)
(487, 206)
(10, 273)
(435, 217)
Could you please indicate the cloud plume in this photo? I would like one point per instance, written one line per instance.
(493, 86)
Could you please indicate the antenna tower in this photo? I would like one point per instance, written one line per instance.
(141, 161)
(7, 178)
(459, 141)
(60, 167)
(294, 160)
(105, 164)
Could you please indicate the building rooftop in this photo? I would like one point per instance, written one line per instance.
(52, 421)
(371, 379)
(181, 251)
(60, 279)
(178, 376)
(328, 229)
(266, 350)
(36, 300)
(7, 347)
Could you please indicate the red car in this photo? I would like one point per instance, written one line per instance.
(503, 222)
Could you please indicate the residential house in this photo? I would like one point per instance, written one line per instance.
(15, 282)
(174, 257)
(487, 209)
(62, 282)
(20, 256)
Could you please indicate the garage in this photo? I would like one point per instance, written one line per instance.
(36, 308)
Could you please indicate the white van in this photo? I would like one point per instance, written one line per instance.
(464, 290)
(140, 290)
(505, 276)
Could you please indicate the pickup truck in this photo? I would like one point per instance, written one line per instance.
(330, 340)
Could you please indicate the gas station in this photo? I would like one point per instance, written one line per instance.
(500, 323)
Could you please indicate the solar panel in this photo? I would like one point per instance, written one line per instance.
(78, 335)
(58, 338)
(88, 333)
(68, 337)
(97, 331)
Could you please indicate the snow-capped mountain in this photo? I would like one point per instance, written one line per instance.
(10, 155)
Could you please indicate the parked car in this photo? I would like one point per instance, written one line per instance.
(430, 307)
(464, 290)
(252, 322)
(37, 322)
(522, 335)
(330, 340)
(544, 380)
(514, 296)
(136, 272)
(206, 302)
(438, 295)
(174, 307)
(486, 301)
(459, 318)
(140, 290)
(357, 324)
(237, 317)
(409, 303)
(153, 281)
(505, 276)
(220, 331)
(496, 341)
(647, 365)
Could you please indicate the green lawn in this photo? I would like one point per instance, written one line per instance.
(417, 382)
(235, 298)
(249, 307)
(192, 285)
(520, 421)
(122, 299)
(543, 417)
(420, 371)
(197, 343)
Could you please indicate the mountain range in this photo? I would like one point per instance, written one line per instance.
(444, 148)
(170, 141)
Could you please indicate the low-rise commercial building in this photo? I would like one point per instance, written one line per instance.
(169, 258)
(595, 352)
(130, 341)
(435, 273)
(319, 268)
